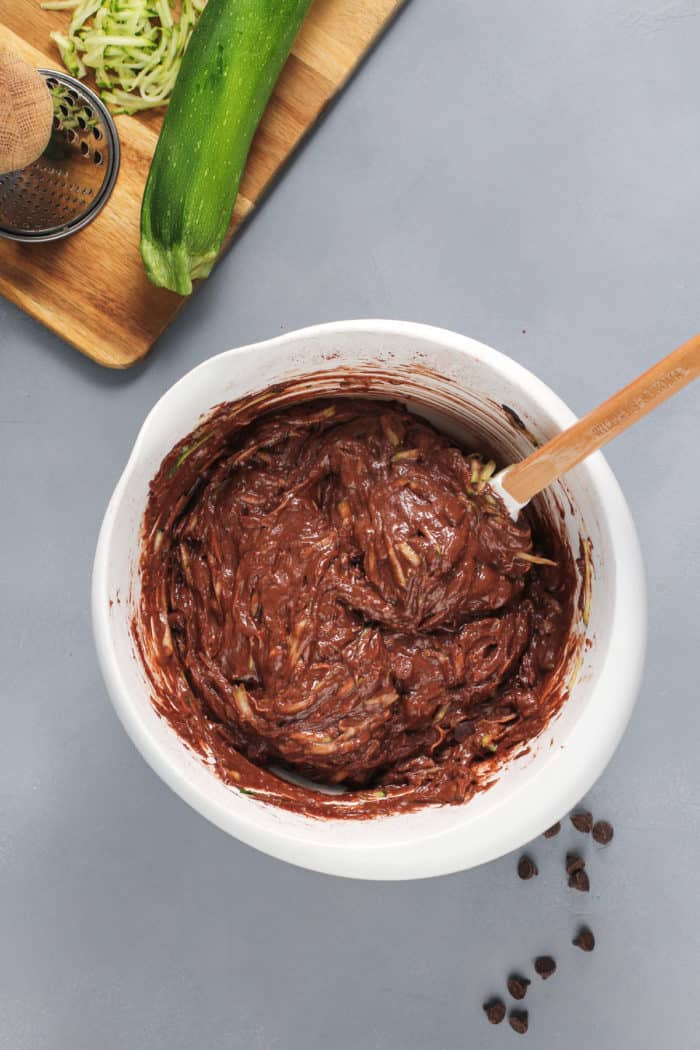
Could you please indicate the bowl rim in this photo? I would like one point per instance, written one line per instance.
(585, 762)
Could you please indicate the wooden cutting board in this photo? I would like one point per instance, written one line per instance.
(91, 288)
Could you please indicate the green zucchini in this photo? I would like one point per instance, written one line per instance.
(231, 65)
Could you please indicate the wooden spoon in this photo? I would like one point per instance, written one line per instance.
(516, 485)
(26, 113)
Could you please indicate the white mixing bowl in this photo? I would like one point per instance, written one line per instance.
(462, 385)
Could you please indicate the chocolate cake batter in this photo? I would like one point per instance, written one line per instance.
(331, 589)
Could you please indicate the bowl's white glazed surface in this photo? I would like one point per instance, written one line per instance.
(455, 381)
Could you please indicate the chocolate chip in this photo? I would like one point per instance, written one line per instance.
(463, 730)
(584, 940)
(574, 863)
(495, 1010)
(603, 832)
(545, 966)
(554, 830)
(517, 985)
(518, 1021)
(582, 821)
(527, 867)
(579, 881)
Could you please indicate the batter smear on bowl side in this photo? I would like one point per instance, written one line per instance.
(332, 590)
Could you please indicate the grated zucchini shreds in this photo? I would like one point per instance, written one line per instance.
(132, 47)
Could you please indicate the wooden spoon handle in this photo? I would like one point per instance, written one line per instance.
(525, 479)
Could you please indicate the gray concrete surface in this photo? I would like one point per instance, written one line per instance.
(526, 173)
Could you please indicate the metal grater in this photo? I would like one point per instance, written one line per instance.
(71, 182)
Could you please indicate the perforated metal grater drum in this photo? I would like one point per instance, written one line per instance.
(71, 182)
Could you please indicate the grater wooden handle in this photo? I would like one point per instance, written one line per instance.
(26, 113)
(667, 377)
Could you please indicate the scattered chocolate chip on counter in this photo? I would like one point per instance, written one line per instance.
(495, 1010)
(527, 867)
(574, 863)
(580, 881)
(518, 986)
(584, 940)
(603, 832)
(518, 1021)
(582, 821)
(545, 966)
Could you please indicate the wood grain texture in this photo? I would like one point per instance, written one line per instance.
(91, 288)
